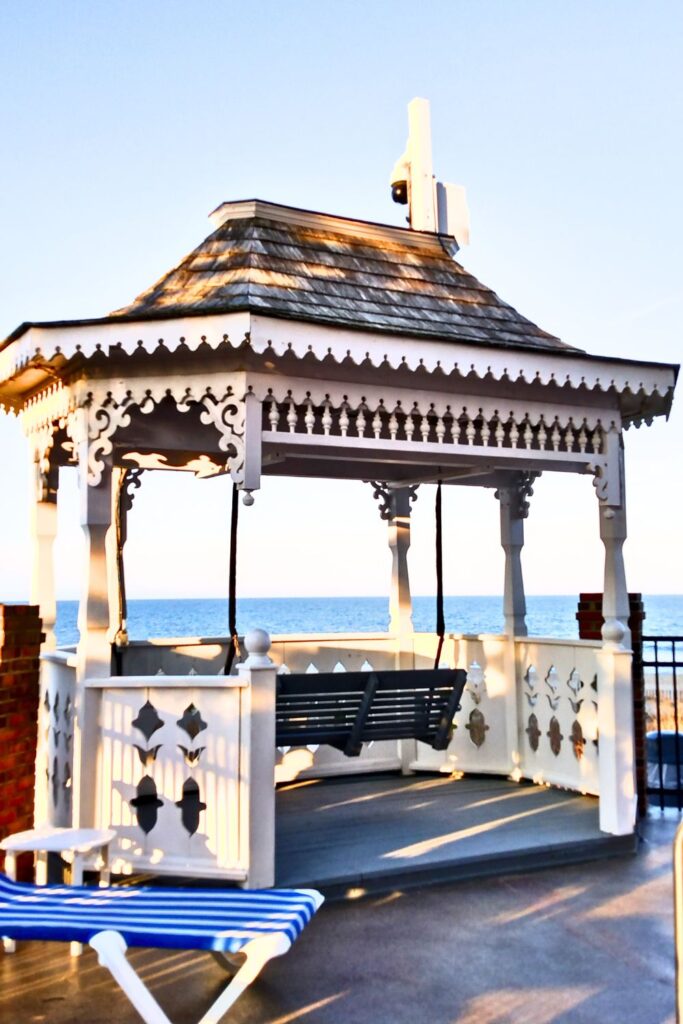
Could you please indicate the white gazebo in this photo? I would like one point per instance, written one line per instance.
(302, 344)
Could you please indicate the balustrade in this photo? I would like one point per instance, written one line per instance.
(429, 424)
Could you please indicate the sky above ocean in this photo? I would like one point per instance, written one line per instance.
(562, 121)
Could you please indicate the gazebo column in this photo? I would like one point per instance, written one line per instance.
(43, 527)
(125, 482)
(514, 509)
(394, 507)
(94, 647)
(615, 602)
(615, 688)
(400, 601)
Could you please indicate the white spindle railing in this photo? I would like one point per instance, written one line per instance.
(390, 421)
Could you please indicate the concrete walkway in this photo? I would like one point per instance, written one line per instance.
(584, 944)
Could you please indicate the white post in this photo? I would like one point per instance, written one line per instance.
(513, 512)
(43, 525)
(422, 185)
(257, 761)
(94, 646)
(395, 508)
(400, 601)
(615, 687)
(115, 539)
(615, 603)
(514, 508)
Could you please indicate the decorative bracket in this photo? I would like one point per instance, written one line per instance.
(608, 469)
(518, 492)
(130, 484)
(227, 415)
(47, 472)
(388, 496)
(103, 424)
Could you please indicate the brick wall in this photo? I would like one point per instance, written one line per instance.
(590, 622)
(20, 639)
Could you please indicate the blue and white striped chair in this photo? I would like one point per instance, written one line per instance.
(259, 924)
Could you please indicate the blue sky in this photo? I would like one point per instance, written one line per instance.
(125, 124)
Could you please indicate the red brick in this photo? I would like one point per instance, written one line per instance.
(20, 639)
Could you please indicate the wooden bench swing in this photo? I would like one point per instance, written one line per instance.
(348, 709)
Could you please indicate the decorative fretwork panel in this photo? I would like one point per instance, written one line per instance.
(558, 711)
(335, 654)
(480, 739)
(54, 756)
(169, 773)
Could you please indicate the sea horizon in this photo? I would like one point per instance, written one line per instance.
(547, 615)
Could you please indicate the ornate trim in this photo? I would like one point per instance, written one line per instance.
(571, 370)
(100, 415)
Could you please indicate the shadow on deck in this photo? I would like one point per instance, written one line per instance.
(369, 834)
(574, 944)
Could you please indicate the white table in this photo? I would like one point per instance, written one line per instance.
(81, 846)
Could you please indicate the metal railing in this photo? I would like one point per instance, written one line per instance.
(662, 665)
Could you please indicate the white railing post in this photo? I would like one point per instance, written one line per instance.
(616, 751)
(257, 761)
(615, 686)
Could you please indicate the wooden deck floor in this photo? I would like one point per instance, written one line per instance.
(362, 834)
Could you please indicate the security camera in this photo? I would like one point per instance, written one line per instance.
(399, 192)
(399, 180)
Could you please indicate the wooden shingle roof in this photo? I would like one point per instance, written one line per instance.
(289, 263)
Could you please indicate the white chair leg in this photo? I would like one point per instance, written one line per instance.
(258, 952)
(105, 871)
(111, 952)
(76, 948)
(9, 945)
(41, 867)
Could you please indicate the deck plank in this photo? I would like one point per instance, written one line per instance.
(375, 831)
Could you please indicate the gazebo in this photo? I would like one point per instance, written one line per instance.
(302, 344)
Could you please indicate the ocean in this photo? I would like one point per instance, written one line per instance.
(546, 616)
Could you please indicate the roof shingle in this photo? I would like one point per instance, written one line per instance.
(316, 271)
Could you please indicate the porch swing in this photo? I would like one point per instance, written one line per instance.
(347, 709)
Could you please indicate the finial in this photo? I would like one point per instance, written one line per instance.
(257, 643)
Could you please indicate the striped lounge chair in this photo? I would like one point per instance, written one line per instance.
(256, 925)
